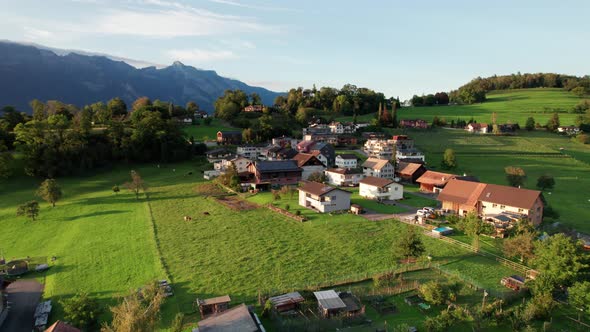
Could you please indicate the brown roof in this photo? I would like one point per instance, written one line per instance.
(303, 158)
(435, 178)
(234, 319)
(405, 168)
(376, 182)
(216, 300)
(461, 192)
(318, 189)
(60, 326)
(375, 163)
(511, 196)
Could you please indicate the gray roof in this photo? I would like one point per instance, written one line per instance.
(347, 156)
(288, 298)
(232, 320)
(329, 300)
(277, 166)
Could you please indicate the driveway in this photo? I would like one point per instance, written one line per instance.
(23, 297)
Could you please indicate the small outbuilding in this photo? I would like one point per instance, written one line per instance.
(286, 302)
(239, 318)
(214, 305)
(329, 303)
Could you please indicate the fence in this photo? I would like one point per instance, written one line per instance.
(286, 213)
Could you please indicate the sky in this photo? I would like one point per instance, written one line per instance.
(398, 47)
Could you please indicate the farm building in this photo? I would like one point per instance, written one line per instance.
(461, 197)
(434, 182)
(229, 137)
(379, 168)
(332, 304)
(323, 198)
(344, 177)
(413, 123)
(286, 302)
(568, 130)
(380, 189)
(346, 161)
(478, 128)
(60, 326)
(268, 174)
(239, 318)
(213, 306)
(409, 172)
(309, 163)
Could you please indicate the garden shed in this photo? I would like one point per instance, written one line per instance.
(213, 305)
(286, 302)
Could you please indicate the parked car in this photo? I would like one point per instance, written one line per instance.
(427, 208)
(424, 213)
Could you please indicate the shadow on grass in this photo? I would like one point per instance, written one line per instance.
(94, 214)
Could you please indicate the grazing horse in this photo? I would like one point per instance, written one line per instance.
(187, 218)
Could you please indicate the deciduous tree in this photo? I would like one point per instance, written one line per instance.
(553, 122)
(81, 311)
(545, 181)
(474, 226)
(136, 184)
(409, 244)
(317, 177)
(50, 191)
(521, 246)
(5, 161)
(515, 176)
(579, 295)
(530, 123)
(29, 209)
(449, 161)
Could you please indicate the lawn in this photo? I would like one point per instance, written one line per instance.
(204, 132)
(509, 105)
(412, 199)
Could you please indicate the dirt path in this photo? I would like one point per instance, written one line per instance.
(23, 297)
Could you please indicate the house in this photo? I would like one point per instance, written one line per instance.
(379, 148)
(254, 108)
(332, 304)
(346, 161)
(239, 318)
(229, 137)
(309, 163)
(213, 306)
(501, 205)
(379, 168)
(325, 153)
(183, 120)
(60, 326)
(480, 128)
(216, 155)
(568, 130)
(240, 163)
(251, 151)
(372, 135)
(434, 182)
(496, 199)
(414, 123)
(285, 142)
(305, 146)
(271, 174)
(318, 129)
(409, 171)
(277, 153)
(410, 155)
(340, 128)
(508, 128)
(380, 189)
(402, 142)
(344, 177)
(286, 302)
(323, 198)
(201, 115)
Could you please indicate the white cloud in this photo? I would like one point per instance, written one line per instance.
(199, 55)
(243, 5)
(34, 33)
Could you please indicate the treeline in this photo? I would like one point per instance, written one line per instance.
(60, 139)
(475, 91)
(439, 98)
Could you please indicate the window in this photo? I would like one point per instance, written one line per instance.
(520, 210)
(502, 206)
(308, 195)
(494, 205)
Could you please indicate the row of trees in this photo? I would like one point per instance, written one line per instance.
(439, 98)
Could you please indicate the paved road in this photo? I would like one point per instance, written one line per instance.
(23, 296)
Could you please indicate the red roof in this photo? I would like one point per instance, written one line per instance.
(435, 178)
(461, 192)
(318, 189)
(376, 182)
(511, 196)
(405, 168)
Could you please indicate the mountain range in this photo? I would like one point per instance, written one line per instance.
(30, 72)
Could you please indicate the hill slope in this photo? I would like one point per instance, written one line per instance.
(29, 72)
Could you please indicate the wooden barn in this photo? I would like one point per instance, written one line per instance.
(286, 302)
(214, 305)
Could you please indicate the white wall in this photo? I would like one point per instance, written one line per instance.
(346, 163)
(335, 200)
(394, 191)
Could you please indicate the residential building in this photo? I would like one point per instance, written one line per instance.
(323, 198)
(277, 153)
(346, 161)
(434, 182)
(317, 129)
(276, 173)
(201, 115)
(239, 318)
(285, 142)
(340, 128)
(380, 189)
(372, 135)
(251, 151)
(325, 153)
(379, 148)
(402, 142)
(413, 123)
(478, 128)
(305, 146)
(229, 137)
(254, 108)
(216, 155)
(379, 168)
(240, 163)
(410, 155)
(344, 177)
(309, 163)
(492, 202)
(409, 171)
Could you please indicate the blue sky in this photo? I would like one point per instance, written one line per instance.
(398, 47)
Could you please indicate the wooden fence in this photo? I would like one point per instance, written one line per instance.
(286, 213)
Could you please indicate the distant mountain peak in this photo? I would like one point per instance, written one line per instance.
(178, 64)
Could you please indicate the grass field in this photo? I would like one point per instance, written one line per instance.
(203, 132)
(513, 106)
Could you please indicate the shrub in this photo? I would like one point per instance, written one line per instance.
(433, 292)
(287, 207)
(298, 212)
(583, 138)
(81, 310)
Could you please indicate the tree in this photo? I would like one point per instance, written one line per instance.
(394, 122)
(178, 322)
(474, 226)
(138, 312)
(530, 123)
(579, 91)
(433, 292)
(81, 311)
(38, 109)
(207, 121)
(553, 122)
(117, 107)
(558, 260)
(116, 189)
(29, 209)
(255, 99)
(409, 244)
(136, 184)
(515, 176)
(141, 102)
(449, 161)
(49, 191)
(5, 161)
(545, 182)
(317, 177)
(84, 120)
(191, 107)
(579, 295)
(521, 246)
